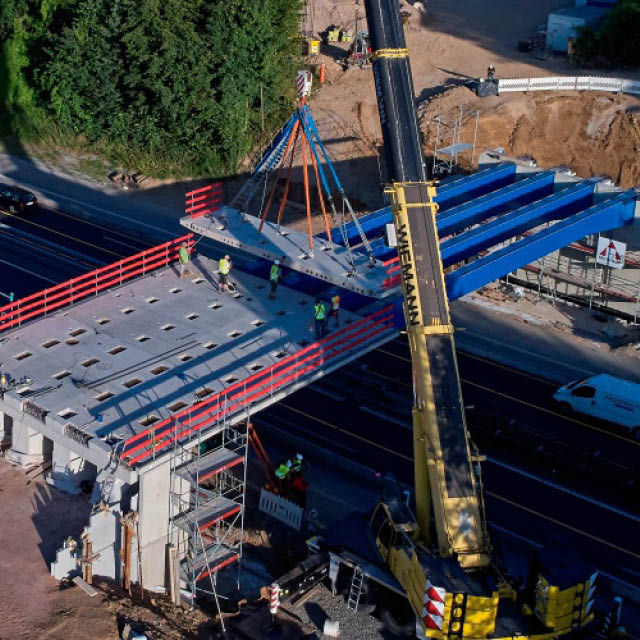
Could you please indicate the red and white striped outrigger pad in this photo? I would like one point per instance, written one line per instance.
(433, 608)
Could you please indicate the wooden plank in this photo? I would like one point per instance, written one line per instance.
(85, 586)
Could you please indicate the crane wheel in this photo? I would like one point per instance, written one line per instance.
(399, 628)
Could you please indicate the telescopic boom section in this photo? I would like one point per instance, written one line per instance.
(443, 462)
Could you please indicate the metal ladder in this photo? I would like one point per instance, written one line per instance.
(356, 589)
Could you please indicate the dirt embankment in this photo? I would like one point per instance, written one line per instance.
(593, 133)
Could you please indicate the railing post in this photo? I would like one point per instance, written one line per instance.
(144, 264)
(120, 270)
(96, 284)
(45, 304)
(71, 286)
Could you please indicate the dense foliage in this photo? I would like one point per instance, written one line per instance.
(174, 85)
(617, 42)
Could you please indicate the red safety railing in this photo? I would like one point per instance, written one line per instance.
(240, 395)
(67, 293)
(203, 201)
(393, 273)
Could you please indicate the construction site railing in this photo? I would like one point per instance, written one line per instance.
(202, 201)
(244, 393)
(67, 293)
(570, 83)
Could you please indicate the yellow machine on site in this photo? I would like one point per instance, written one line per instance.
(441, 558)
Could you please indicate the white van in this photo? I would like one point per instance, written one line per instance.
(605, 397)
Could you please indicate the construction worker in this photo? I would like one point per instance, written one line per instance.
(298, 491)
(319, 317)
(491, 73)
(334, 311)
(297, 464)
(274, 278)
(183, 259)
(282, 473)
(224, 268)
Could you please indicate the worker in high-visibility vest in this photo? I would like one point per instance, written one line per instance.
(183, 259)
(283, 474)
(224, 269)
(274, 278)
(334, 311)
(320, 318)
(297, 464)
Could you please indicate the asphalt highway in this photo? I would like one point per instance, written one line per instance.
(546, 474)
(46, 247)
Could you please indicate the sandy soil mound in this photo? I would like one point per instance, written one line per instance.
(592, 133)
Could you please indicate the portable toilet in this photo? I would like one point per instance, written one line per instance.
(564, 24)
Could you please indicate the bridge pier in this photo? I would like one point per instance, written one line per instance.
(28, 446)
(69, 470)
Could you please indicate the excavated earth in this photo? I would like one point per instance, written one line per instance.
(593, 133)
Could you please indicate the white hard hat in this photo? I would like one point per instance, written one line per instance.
(227, 257)
(277, 262)
(299, 456)
(288, 463)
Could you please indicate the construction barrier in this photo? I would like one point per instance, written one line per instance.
(203, 201)
(243, 394)
(570, 83)
(67, 293)
(281, 509)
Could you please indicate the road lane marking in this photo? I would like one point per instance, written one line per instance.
(531, 405)
(571, 492)
(531, 476)
(89, 222)
(64, 235)
(97, 208)
(533, 543)
(350, 433)
(124, 244)
(31, 273)
(563, 524)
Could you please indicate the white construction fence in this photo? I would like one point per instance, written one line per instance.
(570, 83)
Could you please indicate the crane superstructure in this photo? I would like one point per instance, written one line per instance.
(448, 578)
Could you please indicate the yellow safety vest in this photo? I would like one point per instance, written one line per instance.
(319, 311)
(275, 272)
(225, 267)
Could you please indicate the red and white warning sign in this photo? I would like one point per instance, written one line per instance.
(611, 252)
(433, 608)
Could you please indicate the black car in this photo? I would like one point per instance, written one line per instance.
(16, 200)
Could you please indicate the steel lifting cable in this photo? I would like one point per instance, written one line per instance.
(363, 237)
(345, 238)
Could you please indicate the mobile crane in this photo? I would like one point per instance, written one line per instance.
(449, 579)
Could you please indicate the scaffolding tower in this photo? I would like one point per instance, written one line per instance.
(448, 145)
(207, 504)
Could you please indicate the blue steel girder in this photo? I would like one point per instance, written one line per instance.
(556, 206)
(518, 194)
(449, 194)
(608, 214)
